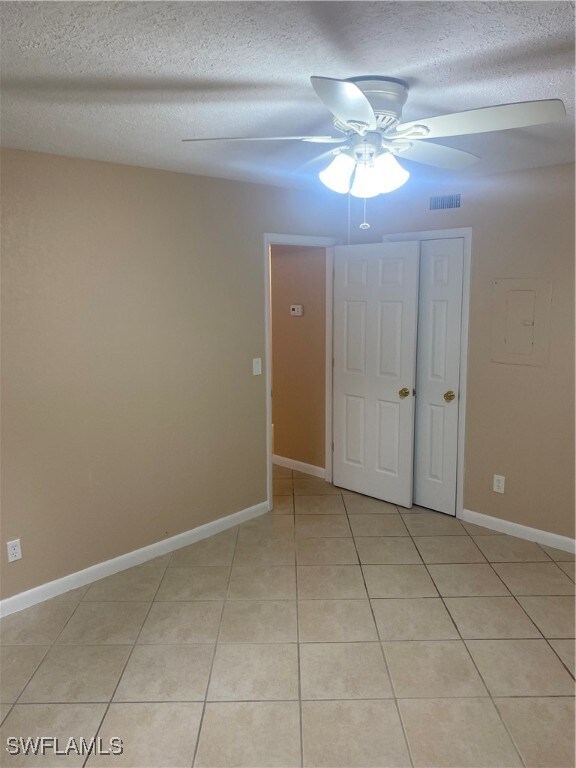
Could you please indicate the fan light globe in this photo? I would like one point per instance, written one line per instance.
(338, 174)
(347, 174)
(366, 181)
(384, 175)
(391, 174)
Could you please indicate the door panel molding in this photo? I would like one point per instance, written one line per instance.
(438, 372)
(375, 322)
(442, 234)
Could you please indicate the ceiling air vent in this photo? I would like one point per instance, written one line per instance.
(440, 202)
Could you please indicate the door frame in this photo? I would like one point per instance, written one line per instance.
(444, 234)
(328, 243)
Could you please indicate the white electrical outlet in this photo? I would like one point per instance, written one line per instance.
(499, 482)
(14, 550)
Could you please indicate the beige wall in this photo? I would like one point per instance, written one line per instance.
(298, 276)
(133, 304)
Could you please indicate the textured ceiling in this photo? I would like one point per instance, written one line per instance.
(125, 82)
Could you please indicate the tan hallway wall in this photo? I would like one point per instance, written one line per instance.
(127, 391)
(298, 276)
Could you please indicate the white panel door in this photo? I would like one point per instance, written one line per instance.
(375, 320)
(438, 373)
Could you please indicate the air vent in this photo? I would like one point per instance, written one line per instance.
(440, 202)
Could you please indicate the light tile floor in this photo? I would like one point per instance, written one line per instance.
(335, 631)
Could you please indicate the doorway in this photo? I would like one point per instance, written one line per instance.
(298, 351)
(295, 242)
(423, 243)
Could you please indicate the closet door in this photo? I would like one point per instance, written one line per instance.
(438, 373)
(375, 321)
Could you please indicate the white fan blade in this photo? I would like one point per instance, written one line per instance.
(313, 139)
(438, 155)
(324, 139)
(319, 159)
(346, 102)
(499, 118)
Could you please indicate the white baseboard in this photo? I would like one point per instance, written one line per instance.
(564, 543)
(310, 469)
(137, 557)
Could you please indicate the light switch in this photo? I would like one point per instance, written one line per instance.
(296, 310)
(256, 366)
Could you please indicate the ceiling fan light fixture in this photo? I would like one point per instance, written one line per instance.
(367, 112)
(337, 175)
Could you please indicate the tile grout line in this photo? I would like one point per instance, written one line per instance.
(556, 652)
(563, 697)
(54, 644)
(542, 635)
(298, 631)
(295, 565)
(490, 696)
(464, 644)
(109, 703)
(50, 646)
(380, 642)
(10, 708)
(439, 596)
(485, 560)
(26, 684)
(204, 703)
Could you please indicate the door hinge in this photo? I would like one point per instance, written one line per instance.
(414, 392)
(332, 447)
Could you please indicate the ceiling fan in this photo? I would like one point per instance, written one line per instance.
(367, 111)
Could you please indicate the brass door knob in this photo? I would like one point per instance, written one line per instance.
(404, 392)
(449, 396)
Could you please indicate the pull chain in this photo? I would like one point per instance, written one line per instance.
(348, 218)
(364, 224)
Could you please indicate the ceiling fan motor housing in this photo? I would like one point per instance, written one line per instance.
(386, 95)
(367, 147)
